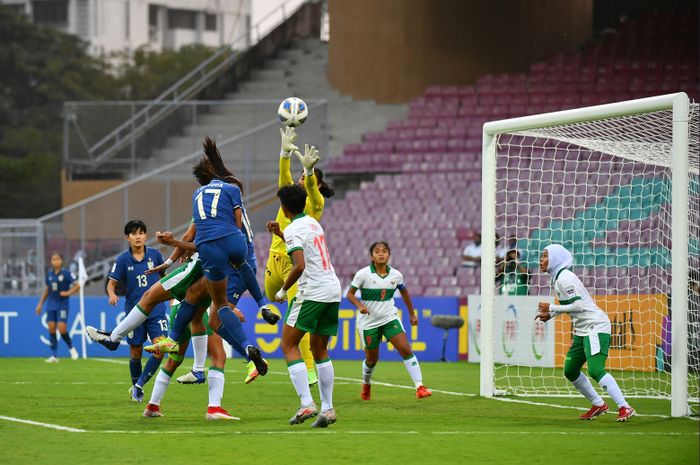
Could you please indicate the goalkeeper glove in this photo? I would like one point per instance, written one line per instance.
(309, 159)
(288, 136)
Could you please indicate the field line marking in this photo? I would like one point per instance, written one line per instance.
(451, 393)
(434, 433)
(44, 425)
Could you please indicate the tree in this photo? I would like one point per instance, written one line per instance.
(42, 68)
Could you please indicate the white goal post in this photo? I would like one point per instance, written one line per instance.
(651, 139)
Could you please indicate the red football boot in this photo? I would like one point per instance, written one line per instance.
(594, 412)
(366, 389)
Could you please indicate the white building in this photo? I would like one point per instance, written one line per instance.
(118, 25)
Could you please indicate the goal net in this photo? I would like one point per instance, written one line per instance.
(600, 182)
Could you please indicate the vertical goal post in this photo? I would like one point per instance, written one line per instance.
(680, 107)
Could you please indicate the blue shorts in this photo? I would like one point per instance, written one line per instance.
(217, 254)
(57, 316)
(155, 326)
(235, 286)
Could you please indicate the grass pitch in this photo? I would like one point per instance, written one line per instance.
(77, 412)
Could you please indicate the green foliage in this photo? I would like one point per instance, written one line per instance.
(148, 73)
(454, 426)
(42, 68)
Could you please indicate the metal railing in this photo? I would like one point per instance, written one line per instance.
(186, 87)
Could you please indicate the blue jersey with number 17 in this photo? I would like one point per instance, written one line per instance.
(213, 208)
(132, 274)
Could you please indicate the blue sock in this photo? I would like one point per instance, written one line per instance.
(184, 316)
(149, 370)
(135, 370)
(231, 330)
(53, 343)
(251, 283)
(67, 340)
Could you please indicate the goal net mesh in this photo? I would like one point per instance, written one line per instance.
(602, 189)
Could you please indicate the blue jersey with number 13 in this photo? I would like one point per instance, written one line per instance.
(132, 274)
(213, 209)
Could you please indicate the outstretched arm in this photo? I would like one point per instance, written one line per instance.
(309, 160)
(288, 136)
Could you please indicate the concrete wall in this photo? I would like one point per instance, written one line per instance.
(390, 50)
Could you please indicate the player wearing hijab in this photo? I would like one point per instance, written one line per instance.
(591, 339)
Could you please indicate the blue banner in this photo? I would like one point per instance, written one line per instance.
(24, 334)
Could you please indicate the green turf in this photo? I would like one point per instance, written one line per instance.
(393, 427)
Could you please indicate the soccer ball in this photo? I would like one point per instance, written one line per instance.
(293, 112)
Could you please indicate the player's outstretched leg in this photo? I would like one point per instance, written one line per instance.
(231, 330)
(101, 337)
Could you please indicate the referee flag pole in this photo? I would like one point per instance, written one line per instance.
(82, 279)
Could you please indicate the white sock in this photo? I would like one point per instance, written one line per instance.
(131, 321)
(299, 376)
(610, 386)
(199, 348)
(160, 385)
(584, 386)
(216, 387)
(326, 376)
(413, 369)
(366, 373)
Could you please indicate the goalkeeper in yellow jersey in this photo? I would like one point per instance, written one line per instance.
(279, 264)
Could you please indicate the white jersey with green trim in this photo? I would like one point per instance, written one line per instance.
(318, 282)
(575, 300)
(377, 294)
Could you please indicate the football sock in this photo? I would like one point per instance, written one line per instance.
(366, 373)
(199, 349)
(298, 374)
(184, 316)
(135, 370)
(413, 368)
(305, 349)
(326, 376)
(216, 381)
(610, 386)
(160, 385)
(130, 322)
(231, 329)
(53, 343)
(251, 283)
(584, 386)
(149, 370)
(66, 339)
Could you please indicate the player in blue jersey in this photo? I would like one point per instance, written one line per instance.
(220, 221)
(60, 284)
(235, 289)
(129, 269)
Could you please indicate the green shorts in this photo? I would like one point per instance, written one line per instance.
(187, 333)
(586, 346)
(371, 338)
(313, 317)
(182, 278)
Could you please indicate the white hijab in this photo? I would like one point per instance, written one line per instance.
(559, 258)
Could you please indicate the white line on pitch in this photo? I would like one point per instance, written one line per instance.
(44, 425)
(434, 433)
(451, 393)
